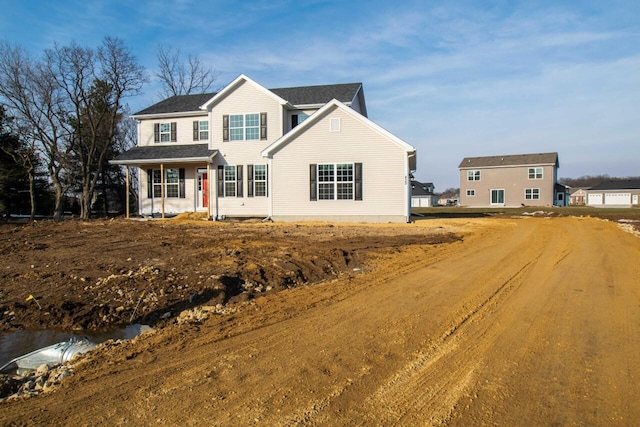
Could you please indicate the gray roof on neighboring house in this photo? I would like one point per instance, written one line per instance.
(165, 152)
(421, 189)
(510, 160)
(304, 95)
(618, 184)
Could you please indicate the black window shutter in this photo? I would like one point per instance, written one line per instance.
(313, 188)
(358, 179)
(239, 181)
(173, 132)
(249, 180)
(220, 181)
(156, 132)
(150, 183)
(181, 189)
(263, 126)
(225, 128)
(196, 130)
(294, 120)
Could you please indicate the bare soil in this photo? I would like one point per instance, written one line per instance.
(482, 321)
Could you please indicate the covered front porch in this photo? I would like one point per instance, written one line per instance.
(171, 179)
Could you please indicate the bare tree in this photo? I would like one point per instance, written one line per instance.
(73, 101)
(179, 78)
(37, 102)
(95, 82)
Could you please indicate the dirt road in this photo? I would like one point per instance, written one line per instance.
(527, 321)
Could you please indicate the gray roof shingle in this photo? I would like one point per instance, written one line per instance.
(303, 95)
(165, 152)
(509, 160)
(318, 95)
(618, 184)
(178, 104)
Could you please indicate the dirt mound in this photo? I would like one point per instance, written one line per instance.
(99, 274)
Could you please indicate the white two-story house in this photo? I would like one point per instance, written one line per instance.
(288, 154)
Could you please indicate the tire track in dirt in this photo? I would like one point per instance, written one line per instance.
(436, 378)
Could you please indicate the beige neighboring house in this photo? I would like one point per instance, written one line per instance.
(511, 181)
(578, 196)
(287, 154)
(618, 192)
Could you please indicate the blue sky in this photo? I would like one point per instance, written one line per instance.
(452, 78)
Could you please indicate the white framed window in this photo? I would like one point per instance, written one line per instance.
(200, 130)
(497, 197)
(471, 193)
(244, 127)
(260, 180)
(532, 193)
(473, 175)
(165, 132)
(335, 181)
(535, 173)
(172, 183)
(230, 181)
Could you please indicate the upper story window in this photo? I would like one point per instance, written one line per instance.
(296, 119)
(200, 130)
(165, 132)
(473, 175)
(535, 173)
(244, 127)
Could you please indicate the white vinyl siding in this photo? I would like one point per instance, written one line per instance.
(245, 98)
(385, 188)
(183, 134)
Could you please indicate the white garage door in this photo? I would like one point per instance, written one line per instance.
(594, 199)
(617, 199)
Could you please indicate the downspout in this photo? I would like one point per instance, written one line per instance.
(407, 178)
(270, 190)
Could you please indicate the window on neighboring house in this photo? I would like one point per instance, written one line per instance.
(229, 181)
(336, 181)
(165, 132)
(535, 173)
(532, 193)
(257, 176)
(173, 183)
(200, 130)
(473, 175)
(471, 193)
(244, 127)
